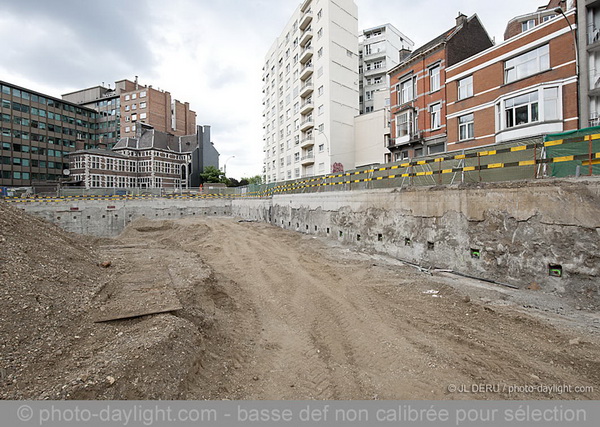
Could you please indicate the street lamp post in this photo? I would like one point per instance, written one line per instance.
(225, 165)
(559, 11)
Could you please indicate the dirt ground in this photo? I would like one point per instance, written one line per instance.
(273, 314)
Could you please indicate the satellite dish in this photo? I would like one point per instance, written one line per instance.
(66, 172)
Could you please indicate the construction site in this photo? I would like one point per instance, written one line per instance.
(370, 294)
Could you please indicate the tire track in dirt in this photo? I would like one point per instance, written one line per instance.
(309, 322)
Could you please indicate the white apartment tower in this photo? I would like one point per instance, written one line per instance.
(310, 92)
(380, 49)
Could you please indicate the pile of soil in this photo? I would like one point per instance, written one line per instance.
(52, 286)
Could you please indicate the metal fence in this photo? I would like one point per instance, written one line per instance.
(515, 160)
(531, 158)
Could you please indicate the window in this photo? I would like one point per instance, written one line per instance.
(551, 111)
(404, 124)
(435, 112)
(142, 105)
(406, 91)
(127, 97)
(127, 129)
(319, 14)
(434, 78)
(320, 91)
(320, 52)
(521, 109)
(369, 95)
(435, 149)
(465, 87)
(527, 64)
(527, 25)
(320, 33)
(143, 94)
(143, 116)
(321, 148)
(321, 110)
(134, 96)
(133, 117)
(466, 127)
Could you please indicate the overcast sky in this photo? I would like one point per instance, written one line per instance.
(206, 52)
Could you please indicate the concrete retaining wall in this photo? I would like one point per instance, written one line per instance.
(515, 233)
(109, 218)
(545, 233)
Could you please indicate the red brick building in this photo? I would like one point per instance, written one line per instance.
(523, 87)
(418, 90)
(523, 23)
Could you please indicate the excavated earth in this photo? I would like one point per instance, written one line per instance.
(249, 311)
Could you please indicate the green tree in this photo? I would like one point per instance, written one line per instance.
(212, 174)
(256, 179)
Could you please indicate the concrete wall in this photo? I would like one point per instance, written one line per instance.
(518, 230)
(109, 218)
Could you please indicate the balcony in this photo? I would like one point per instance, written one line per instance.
(307, 124)
(306, 55)
(306, 36)
(306, 71)
(307, 88)
(374, 71)
(380, 53)
(309, 159)
(307, 142)
(307, 107)
(306, 19)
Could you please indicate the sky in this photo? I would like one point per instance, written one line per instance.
(209, 53)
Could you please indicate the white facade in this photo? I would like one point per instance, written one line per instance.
(379, 51)
(310, 90)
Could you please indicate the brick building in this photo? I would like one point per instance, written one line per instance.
(528, 21)
(418, 90)
(525, 86)
(121, 108)
(151, 159)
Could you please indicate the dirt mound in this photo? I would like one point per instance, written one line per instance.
(52, 288)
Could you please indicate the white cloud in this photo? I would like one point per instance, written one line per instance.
(207, 53)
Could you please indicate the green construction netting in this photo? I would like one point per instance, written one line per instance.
(574, 145)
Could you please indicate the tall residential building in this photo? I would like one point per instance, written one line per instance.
(310, 92)
(121, 108)
(380, 49)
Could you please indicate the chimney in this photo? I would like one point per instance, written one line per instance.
(403, 54)
(137, 86)
(101, 144)
(460, 19)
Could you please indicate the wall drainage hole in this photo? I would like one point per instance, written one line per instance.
(407, 242)
(316, 228)
(358, 237)
(555, 270)
(475, 253)
(89, 217)
(380, 237)
(430, 246)
(328, 231)
(341, 234)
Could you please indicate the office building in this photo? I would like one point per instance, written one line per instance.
(38, 133)
(310, 89)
